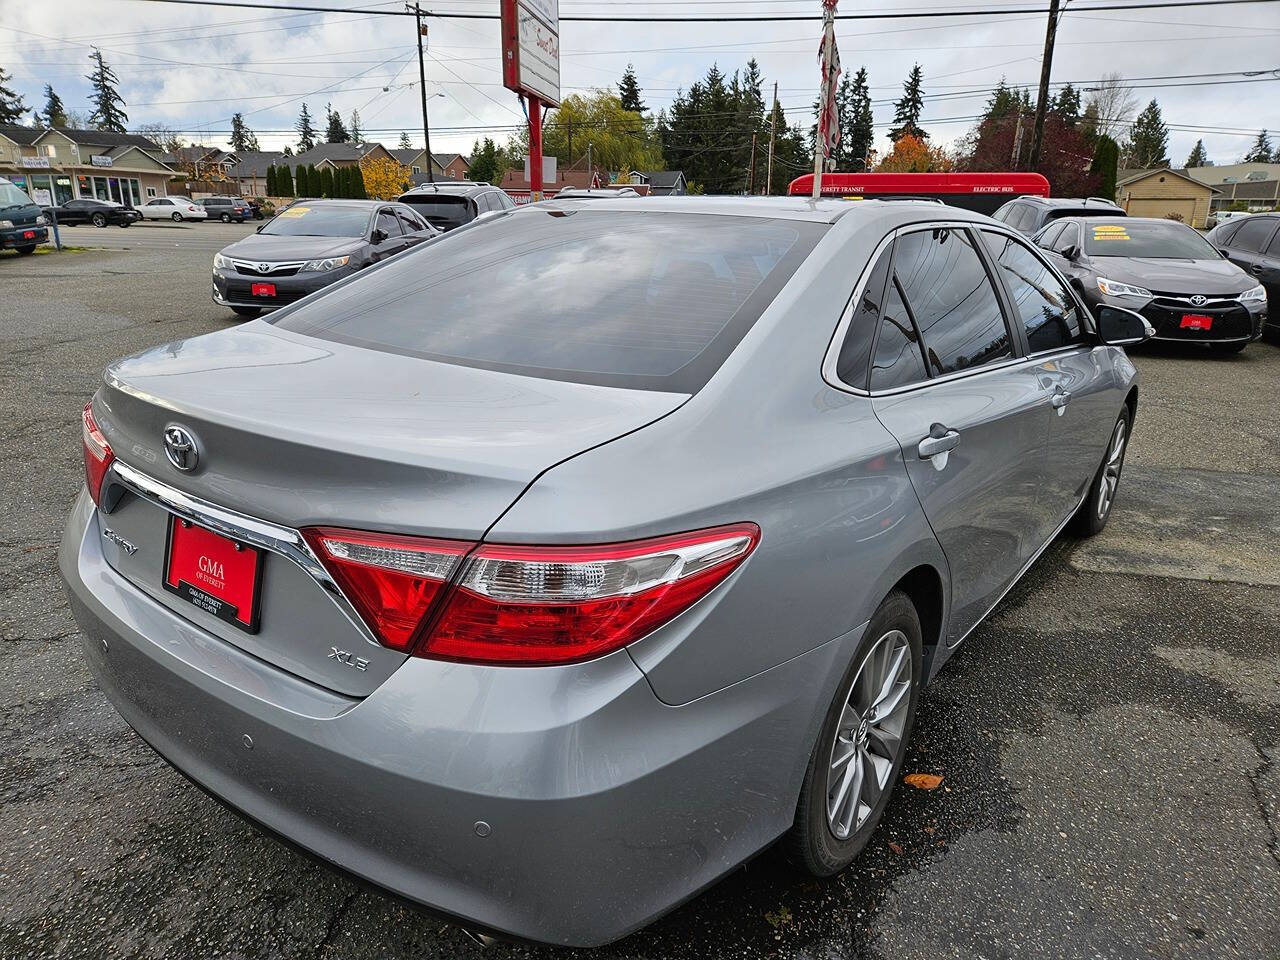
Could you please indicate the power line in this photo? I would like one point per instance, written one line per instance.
(738, 18)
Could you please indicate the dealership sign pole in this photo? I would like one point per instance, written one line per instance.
(531, 67)
(828, 117)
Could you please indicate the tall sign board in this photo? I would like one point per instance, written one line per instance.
(531, 49)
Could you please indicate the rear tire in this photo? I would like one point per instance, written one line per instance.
(858, 758)
(247, 312)
(99, 220)
(177, 217)
(225, 218)
(1096, 509)
(24, 251)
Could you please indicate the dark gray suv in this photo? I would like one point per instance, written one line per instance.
(452, 203)
(1029, 214)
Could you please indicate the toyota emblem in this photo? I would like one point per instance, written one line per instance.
(180, 448)
(264, 267)
(1199, 301)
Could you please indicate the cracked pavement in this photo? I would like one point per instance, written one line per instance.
(1108, 738)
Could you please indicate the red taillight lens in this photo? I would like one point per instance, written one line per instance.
(545, 605)
(97, 453)
(391, 580)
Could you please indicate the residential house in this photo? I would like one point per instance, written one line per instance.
(447, 166)
(337, 155)
(453, 166)
(250, 171)
(1164, 192)
(200, 162)
(54, 165)
(1255, 186)
(666, 183)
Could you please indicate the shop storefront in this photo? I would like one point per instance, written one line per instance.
(52, 167)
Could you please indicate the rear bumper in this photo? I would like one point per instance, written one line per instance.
(604, 807)
(17, 237)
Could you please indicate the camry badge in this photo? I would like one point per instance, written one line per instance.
(1199, 301)
(180, 448)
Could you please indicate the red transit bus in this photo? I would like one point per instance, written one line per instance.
(982, 192)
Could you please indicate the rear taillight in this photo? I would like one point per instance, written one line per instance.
(97, 453)
(391, 580)
(523, 605)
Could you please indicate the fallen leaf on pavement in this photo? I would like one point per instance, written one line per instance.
(923, 781)
(895, 847)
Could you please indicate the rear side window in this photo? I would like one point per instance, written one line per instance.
(1050, 234)
(898, 360)
(951, 298)
(614, 298)
(851, 366)
(1046, 309)
(1273, 248)
(1253, 233)
(1070, 237)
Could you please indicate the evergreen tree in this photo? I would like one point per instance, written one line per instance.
(12, 106)
(335, 131)
(108, 106)
(1089, 120)
(629, 91)
(301, 181)
(857, 126)
(357, 136)
(357, 184)
(284, 180)
(1149, 139)
(1067, 105)
(306, 132)
(486, 162)
(1198, 157)
(1260, 152)
(242, 138)
(271, 180)
(1002, 103)
(1106, 160)
(327, 185)
(404, 141)
(55, 114)
(288, 150)
(906, 112)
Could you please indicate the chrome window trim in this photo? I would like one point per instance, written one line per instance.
(282, 541)
(829, 362)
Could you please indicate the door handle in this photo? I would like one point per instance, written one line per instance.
(1060, 399)
(939, 440)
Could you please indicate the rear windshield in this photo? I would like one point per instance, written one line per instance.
(440, 211)
(649, 301)
(323, 221)
(1137, 238)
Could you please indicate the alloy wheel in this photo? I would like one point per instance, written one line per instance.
(1110, 478)
(870, 736)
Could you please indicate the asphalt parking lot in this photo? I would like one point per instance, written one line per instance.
(1108, 739)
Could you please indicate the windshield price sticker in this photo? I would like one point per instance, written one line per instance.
(294, 212)
(1109, 232)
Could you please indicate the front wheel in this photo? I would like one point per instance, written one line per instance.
(1093, 513)
(99, 220)
(858, 759)
(125, 224)
(1226, 349)
(248, 312)
(27, 249)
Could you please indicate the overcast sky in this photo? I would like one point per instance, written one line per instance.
(192, 67)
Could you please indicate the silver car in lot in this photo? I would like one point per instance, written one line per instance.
(545, 573)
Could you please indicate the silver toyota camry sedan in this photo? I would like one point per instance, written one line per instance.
(546, 572)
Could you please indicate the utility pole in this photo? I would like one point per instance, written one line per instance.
(1042, 101)
(1017, 143)
(751, 183)
(591, 170)
(773, 130)
(422, 89)
(828, 46)
(569, 124)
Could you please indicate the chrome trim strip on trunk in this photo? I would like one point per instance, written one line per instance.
(282, 541)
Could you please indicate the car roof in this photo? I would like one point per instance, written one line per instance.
(775, 208)
(1128, 220)
(1073, 202)
(453, 187)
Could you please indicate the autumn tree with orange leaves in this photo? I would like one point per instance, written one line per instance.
(912, 155)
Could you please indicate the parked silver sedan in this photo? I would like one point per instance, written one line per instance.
(547, 572)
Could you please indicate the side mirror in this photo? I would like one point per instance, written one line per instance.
(377, 237)
(1118, 327)
(1071, 252)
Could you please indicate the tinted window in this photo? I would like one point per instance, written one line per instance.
(1047, 310)
(1046, 238)
(440, 210)
(1253, 233)
(388, 223)
(1003, 213)
(320, 221)
(622, 299)
(1159, 239)
(409, 222)
(851, 366)
(1273, 248)
(1070, 237)
(951, 299)
(898, 360)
